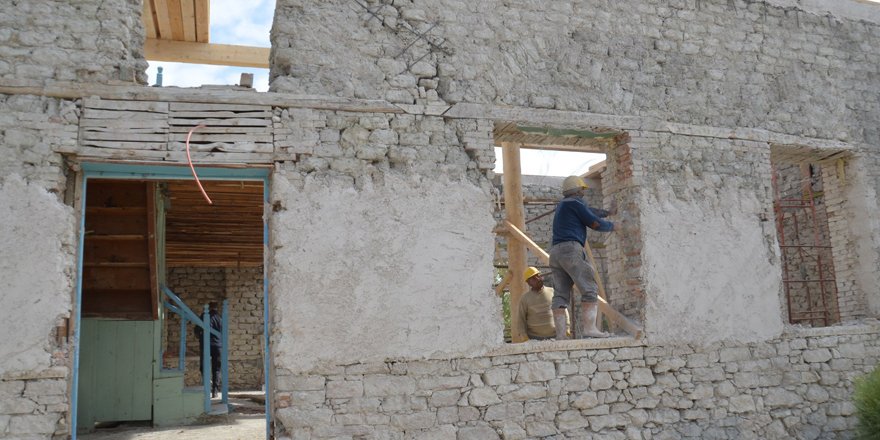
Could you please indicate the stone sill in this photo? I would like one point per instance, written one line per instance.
(567, 345)
(860, 327)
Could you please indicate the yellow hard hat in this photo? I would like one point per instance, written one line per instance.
(572, 183)
(530, 272)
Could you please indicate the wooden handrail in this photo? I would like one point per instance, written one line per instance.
(616, 317)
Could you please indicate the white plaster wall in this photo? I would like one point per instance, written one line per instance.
(848, 9)
(710, 274)
(400, 269)
(38, 251)
(865, 229)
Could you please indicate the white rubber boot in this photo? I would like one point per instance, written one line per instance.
(560, 321)
(589, 312)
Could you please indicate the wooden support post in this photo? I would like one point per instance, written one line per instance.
(516, 252)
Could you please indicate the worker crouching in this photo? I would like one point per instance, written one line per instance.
(536, 319)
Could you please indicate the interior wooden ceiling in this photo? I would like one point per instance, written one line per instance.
(228, 233)
(179, 31)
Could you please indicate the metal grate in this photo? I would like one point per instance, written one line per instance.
(807, 263)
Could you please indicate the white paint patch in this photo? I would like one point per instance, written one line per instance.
(37, 232)
(710, 275)
(399, 270)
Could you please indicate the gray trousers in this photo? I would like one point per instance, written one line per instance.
(570, 267)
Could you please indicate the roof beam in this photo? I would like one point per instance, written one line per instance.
(203, 17)
(149, 19)
(205, 53)
(163, 20)
(188, 12)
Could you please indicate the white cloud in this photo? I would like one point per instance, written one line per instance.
(551, 163)
(242, 22)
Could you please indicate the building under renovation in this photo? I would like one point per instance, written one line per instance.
(357, 238)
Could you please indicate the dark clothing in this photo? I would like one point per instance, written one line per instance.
(216, 345)
(573, 217)
(567, 259)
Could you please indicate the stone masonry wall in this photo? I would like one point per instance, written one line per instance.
(244, 289)
(719, 63)
(796, 386)
(711, 264)
(87, 41)
(36, 286)
(381, 222)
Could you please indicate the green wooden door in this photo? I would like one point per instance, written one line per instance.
(115, 371)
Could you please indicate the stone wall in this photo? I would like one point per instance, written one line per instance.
(795, 386)
(709, 62)
(381, 237)
(711, 265)
(88, 41)
(37, 286)
(243, 287)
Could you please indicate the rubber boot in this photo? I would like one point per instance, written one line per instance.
(589, 312)
(561, 324)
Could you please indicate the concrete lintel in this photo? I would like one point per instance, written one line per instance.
(71, 90)
(49, 373)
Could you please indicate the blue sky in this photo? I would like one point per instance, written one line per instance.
(247, 23)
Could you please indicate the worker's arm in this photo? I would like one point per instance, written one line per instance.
(519, 334)
(601, 213)
(592, 220)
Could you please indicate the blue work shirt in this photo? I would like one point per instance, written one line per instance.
(572, 219)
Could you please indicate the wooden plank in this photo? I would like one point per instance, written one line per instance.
(123, 136)
(206, 53)
(223, 130)
(139, 106)
(91, 113)
(157, 125)
(76, 90)
(210, 107)
(618, 318)
(108, 193)
(163, 20)
(516, 253)
(239, 147)
(220, 114)
(210, 122)
(121, 149)
(148, 19)
(151, 249)
(203, 17)
(176, 19)
(188, 15)
(116, 252)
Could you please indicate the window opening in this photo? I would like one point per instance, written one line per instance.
(804, 240)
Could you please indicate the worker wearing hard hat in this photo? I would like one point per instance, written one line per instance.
(568, 260)
(536, 320)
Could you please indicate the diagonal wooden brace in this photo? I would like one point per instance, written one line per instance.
(616, 317)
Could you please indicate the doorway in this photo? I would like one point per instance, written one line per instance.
(153, 254)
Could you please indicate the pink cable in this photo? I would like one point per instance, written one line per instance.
(191, 167)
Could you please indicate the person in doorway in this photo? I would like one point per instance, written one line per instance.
(536, 320)
(215, 347)
(568, 261)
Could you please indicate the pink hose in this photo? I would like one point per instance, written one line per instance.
(191, 167)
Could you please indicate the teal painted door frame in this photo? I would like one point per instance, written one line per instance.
(91, 171)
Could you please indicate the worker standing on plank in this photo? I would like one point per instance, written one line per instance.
(536, 320)
(568, 260)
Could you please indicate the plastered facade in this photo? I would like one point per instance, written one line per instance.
(381, 211)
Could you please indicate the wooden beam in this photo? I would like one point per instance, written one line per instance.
(516, 253)
(203, 17)
(149, 19)
(163, 20)
(151, 249)
(616, 317)
(204, 53)
(188, 15)
(176, 18)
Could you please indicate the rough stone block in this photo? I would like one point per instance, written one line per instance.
(535, 372)
(33, 424)
(417, 420)
(601, 381)
(741, 404)
(600, 423)
(483, 397)
(817, 356)
(641, 377)
(342, 389)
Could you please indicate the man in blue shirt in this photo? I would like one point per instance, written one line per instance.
(568, 260)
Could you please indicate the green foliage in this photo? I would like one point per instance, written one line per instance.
(867, 401)
(505, 308)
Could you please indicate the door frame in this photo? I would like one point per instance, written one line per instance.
(101, 170)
